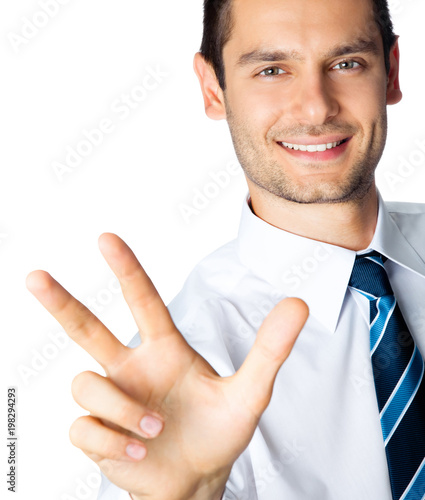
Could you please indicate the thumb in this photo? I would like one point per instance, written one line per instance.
(275, 339)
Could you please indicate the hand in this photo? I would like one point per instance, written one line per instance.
(197, 423)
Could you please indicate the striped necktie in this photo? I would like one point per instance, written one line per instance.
(398, 370)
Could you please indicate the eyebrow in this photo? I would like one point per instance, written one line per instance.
(259, 55)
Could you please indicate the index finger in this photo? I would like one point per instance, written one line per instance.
(77, 320)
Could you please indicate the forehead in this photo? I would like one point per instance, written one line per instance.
(304, 26)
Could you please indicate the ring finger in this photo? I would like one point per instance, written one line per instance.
(91, 436)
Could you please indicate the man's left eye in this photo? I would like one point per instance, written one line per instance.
(347, 65)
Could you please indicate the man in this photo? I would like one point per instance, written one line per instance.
(304, 86)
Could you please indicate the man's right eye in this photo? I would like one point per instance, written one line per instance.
(272, 71)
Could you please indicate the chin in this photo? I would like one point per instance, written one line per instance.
(326, 193)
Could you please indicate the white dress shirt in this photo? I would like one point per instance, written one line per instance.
(320, 438)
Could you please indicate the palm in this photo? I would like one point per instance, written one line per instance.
(175, 381)
(208, 420)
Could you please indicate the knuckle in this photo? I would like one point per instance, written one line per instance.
(124, 412)
(270, 354)
(76, 327)
(112, 447)
(131, 274)
(146, 300)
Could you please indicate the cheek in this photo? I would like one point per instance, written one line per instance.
(364, 102)
(369, 110)
(275, 102)
(257, 107)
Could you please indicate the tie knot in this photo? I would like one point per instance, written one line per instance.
(369, 275)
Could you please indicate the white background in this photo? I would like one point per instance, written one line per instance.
(65, 80)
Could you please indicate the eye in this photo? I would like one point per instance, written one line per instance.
(347, 65)
(272, 71)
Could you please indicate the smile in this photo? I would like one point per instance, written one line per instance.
(328, 151)
(313, 148)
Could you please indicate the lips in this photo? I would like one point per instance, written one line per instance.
(313, 148)
(329, 149)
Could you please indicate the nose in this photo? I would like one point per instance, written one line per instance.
(314, 101)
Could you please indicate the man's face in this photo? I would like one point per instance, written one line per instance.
(307, 73)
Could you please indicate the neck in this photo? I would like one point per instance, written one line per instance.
(348, 225)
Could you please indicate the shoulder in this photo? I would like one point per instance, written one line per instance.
(407, 214)
(210, 282)
(405, 208)
(410, 219)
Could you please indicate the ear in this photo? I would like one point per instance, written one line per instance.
(394, 94)
(211, 91)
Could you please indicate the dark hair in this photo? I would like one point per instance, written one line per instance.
(218, 26)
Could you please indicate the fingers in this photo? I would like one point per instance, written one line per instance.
(148, 309)
(79, 323)
(102, 398)
(93, 438)
(273, 344)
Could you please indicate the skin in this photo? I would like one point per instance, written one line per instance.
(309, 97)
(204, 422)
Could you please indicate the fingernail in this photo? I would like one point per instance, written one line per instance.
(135, 451)
(151, 425)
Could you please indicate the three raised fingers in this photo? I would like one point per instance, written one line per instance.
(103, 399)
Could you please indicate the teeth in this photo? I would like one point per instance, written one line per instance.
(313, 148)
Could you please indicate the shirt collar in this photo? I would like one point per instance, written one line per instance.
(390, 241)
(314, 271)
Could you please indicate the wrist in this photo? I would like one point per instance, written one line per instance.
(210, 489)
(206, 489)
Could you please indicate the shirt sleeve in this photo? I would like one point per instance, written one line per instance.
(109, 491)
(236, 488)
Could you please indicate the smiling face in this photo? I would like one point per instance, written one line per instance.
(306, 94)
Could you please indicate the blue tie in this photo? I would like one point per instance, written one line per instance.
(398, 369)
